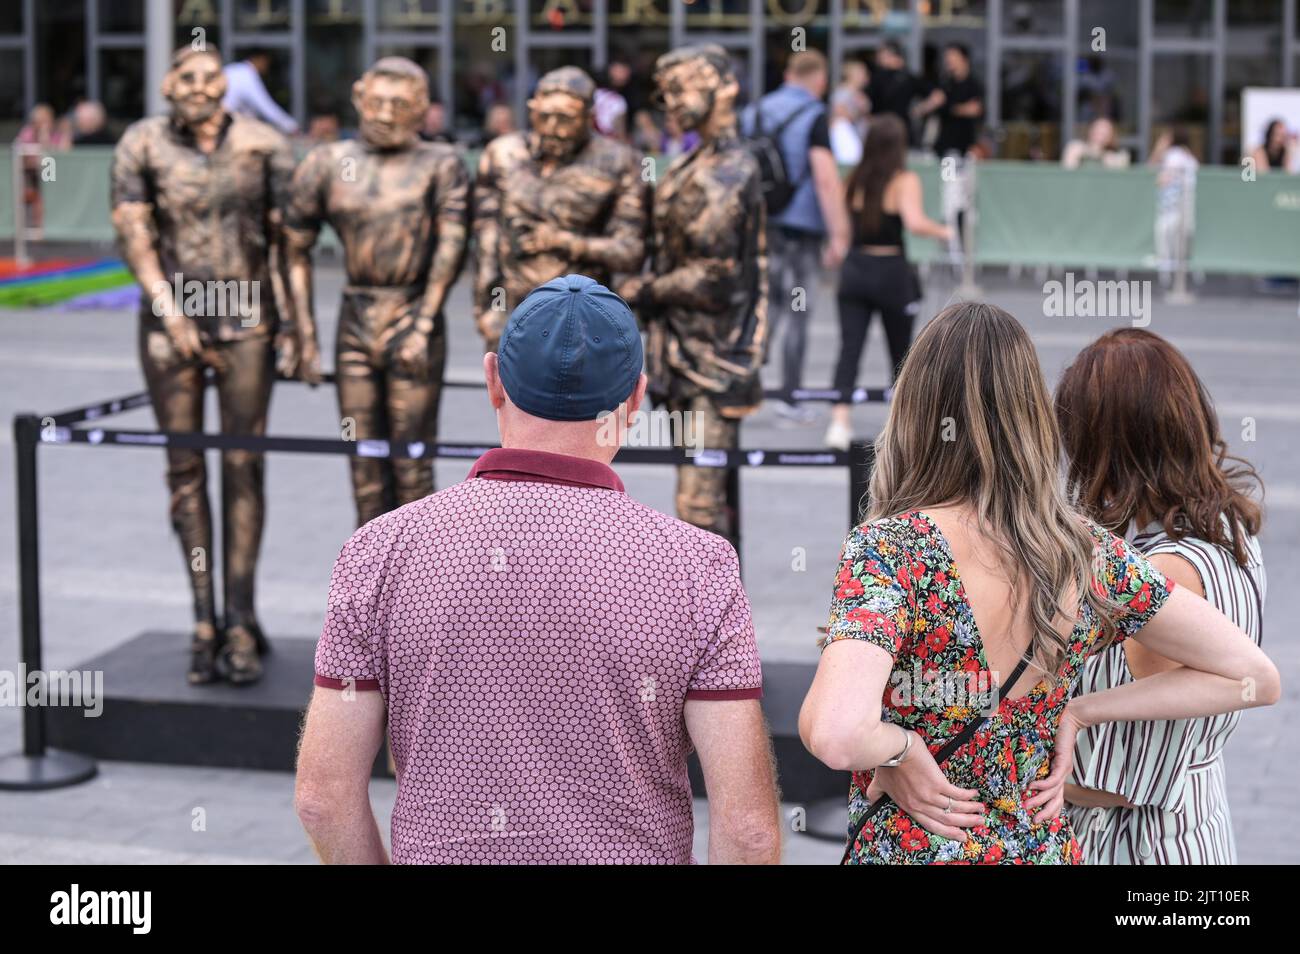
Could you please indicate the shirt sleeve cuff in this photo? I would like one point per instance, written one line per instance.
(724, 695)
(329, 682)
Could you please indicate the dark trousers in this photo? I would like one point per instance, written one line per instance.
(871, 284)
(793, 269)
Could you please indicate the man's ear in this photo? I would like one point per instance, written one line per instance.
(637, 396)
(358, 93)
(492, 375)
(169, 78)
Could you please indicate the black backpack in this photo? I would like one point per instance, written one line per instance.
(765, 147)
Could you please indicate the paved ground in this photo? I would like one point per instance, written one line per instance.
(111, 567)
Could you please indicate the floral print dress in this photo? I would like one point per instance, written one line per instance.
(898, 589)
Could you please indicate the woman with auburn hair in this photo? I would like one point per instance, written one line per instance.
(1153, 792)
(972, 558)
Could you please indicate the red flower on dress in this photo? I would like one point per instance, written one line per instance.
(915, 840)
(938, 639)
(1142, 601)
(849, 589)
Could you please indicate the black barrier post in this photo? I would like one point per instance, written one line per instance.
(860, 453)
(36, 767)
(733, 512)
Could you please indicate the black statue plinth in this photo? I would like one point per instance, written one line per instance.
(151, 714)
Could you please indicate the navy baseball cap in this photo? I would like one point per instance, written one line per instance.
(570, 350)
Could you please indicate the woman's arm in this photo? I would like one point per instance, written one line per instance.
(840, 718)
(1222, 670)
(1094, 797)
(1142, 661)
(911, 209)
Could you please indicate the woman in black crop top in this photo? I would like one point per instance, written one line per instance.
(883, 196)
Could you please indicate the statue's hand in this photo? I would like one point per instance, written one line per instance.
(298, 356)
(411, 356)
(545, 237)
(184, 334)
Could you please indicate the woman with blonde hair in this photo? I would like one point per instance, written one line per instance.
(1155, 792)
(971, 558)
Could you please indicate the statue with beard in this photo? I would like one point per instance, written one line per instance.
(399, 206)
(704, 301)
(554, 201)
(197, 197)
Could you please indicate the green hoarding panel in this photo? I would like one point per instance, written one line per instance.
(6, 194)
(1041, 214)
(1250, 228)
(76, 195)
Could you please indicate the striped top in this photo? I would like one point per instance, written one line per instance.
(1148, 762)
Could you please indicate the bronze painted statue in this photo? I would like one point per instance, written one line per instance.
(704, 301)
(197, 198)
(554, 201)
(399, 206)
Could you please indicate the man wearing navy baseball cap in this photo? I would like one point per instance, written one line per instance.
(546, 651)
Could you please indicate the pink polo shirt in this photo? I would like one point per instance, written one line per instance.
(536, 633)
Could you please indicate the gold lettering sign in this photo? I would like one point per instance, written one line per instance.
(639, 13)
(407, 13)
(197, 11)
(776, 11)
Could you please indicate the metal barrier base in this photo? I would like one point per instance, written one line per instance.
(36, 773)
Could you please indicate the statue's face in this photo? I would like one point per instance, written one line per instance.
(195, 88)
(688, 92)
(391, 109)
(560, 122)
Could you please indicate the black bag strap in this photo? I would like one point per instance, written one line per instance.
(949, 747)
(794, 114)
(775, 134)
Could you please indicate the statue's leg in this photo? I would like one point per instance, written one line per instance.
(176, 391)
(361, 393)
(244, 389)
(413, 417)
(702, 491)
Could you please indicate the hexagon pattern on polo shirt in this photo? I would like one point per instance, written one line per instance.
(535, 643)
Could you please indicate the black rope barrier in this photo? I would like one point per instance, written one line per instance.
(39, 767)
(129, 402)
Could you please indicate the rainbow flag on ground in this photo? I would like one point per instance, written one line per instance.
(73, 283)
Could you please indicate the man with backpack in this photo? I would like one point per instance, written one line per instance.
(789, 132)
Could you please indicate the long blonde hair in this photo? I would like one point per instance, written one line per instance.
(971, 422)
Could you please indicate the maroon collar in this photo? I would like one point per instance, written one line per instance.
(511, 463)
